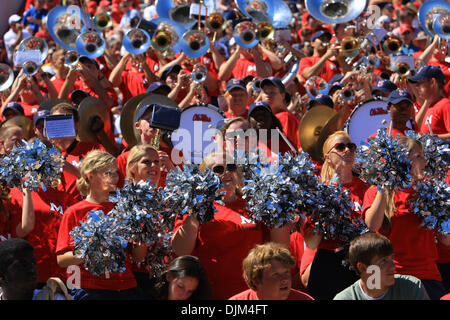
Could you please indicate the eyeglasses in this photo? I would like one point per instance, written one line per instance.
(341, 146)
(110, 174)
(231, 167)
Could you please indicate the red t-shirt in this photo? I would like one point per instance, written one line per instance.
(245, 67)
(72, 217)
(414, 246)
(29, 109)
(49, 208)
(223, 243)
(395, 132)
(290, 124)
(230, 115)
(328, 71)
(250, 294)
(57, 83)
(75, 158)
(296, 247)
(439, 117)
(357, 189)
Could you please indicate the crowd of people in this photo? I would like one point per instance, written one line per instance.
(232, 256)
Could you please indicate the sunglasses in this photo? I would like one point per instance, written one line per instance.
(231, 167)
(341, 146)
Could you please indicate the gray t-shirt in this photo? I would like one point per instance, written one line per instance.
(405, 288)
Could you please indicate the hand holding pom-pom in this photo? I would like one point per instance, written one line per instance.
(98, 241)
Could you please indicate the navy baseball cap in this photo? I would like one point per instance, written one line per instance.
(40, 114)
(274, 81)
(398, 96)
(385, 86)
(428, 72)
(14, 106)
(140, 112)
(175, 68)
(157, 85)
(236, 84)
(259, 104)
(321, 99)
(320, 33)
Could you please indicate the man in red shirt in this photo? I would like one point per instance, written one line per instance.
(267, 272)
(320, 64)
(274, 93)
(435, 111)
(237, 99)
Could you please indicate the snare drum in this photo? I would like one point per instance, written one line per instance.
(366, 119)
(198, 125)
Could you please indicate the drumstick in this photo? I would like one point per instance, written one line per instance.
(287, 141)
(428, 122)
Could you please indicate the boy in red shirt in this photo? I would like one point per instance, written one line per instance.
(267, 273)
(435, 111)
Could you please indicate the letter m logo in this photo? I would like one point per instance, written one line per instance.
(55, 208)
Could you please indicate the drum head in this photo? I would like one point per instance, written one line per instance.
(194, 137)
(366, 119)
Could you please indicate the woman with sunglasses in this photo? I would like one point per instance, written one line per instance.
(327, 274)
(143, 164)
(388, 213)
(222, 243)
(99, 177)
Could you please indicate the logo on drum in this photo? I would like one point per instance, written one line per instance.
(201, 117)
(378, 111)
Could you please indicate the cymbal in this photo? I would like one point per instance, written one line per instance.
(50, 103)
(310, 129)
(23, 122)
(89, 107)
(128, 115)
(327, 130)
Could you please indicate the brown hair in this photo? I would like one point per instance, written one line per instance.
(367, 246)
(260, 259)
(66, 107)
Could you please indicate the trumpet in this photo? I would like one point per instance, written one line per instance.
(103, 20)
(246, 34)
(71, 58)
(266, 31)
(30, 68)
(6, 77)
(349, 47)
(165, 37)
(216, 22)
(194, 43)
(392, 45)
(403, 69)
(199, 73)
(347, 94)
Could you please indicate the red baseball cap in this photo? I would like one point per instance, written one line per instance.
(405, 27)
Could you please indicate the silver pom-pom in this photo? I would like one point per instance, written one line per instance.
(191, 192)
(99, 242)
(432, 204)
(383, 162)
(141, 211)
(437, 154)
(31, 165)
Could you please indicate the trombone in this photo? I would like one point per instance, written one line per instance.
(392, 45)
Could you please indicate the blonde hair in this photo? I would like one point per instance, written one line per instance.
(93, 162)
(327, 173)
(410, 144)
(136, 153)
(260, 258)
(210, 160)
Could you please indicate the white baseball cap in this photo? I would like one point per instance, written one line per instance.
(14, 18)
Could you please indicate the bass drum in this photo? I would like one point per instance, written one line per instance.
(198, 126)
(366, 119)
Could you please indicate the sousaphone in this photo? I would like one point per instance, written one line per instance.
(315, 127)
(128, 115)
(88, 108)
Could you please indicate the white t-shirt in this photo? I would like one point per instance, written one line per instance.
(10, 37)
(149, 12)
